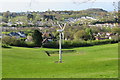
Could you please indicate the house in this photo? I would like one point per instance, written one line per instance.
(21, 34)
(9, 24)
(103, 35)
(46, 40)
(109, 34)
(106, 25)
(98, 38)
(19, 23)
(29, 38)
(47, 37)
(1, 23)
(17, 34)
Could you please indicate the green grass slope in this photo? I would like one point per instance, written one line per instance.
(87, 62)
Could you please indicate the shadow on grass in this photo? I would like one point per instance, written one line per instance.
(7, 47)
(56, 52)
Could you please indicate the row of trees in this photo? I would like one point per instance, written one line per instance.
(86, 34)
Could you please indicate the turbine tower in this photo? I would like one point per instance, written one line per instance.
(61, 36)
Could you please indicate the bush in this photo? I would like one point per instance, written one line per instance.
(107, 41)
(53, 44)
(5, 46)
(8, 40)
(12, 41)
(30, 44)
(116, 37)
(66, 44)
(22, 39)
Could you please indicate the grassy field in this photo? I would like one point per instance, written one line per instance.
(87, 62)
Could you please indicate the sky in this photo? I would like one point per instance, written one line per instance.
(44, 5)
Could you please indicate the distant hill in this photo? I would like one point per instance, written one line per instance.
(96, 10)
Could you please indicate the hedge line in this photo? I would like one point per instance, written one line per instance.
(69, 44)
(12, 41)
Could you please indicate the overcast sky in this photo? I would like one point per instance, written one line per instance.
(43, 5)
(55, 0)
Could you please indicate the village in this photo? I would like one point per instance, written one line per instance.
(95, 24)
(59, 39)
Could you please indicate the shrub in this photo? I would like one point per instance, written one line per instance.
(22, 39)
(30, 44)
(8, 40)
(116, 37)
(107, 41)
(12, 41)
(5, 46)
(66, 44)
(53, 44)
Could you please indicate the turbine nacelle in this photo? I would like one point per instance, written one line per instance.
(60, 30)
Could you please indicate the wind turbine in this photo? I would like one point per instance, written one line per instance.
(115, 6)
(61, 36)
(62, 27)
(116, 9)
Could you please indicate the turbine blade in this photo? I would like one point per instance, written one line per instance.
(64, 26)
(60, 26)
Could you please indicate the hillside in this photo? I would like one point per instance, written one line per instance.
(96, 10)
(86, 62)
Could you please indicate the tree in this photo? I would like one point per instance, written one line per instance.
(30, 17)
(86, 34)
(89, 34)
(116, 30)
(37, 38)
(79, 35)
(6, 14)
